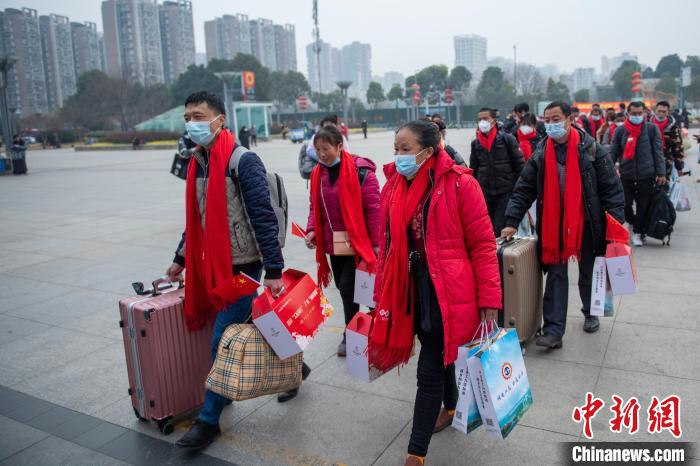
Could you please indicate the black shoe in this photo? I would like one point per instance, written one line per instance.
(549, 341)
(199, 436)
(591, 324)
(342, 348)
(286, 396)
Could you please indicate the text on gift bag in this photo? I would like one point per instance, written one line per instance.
(291, 321)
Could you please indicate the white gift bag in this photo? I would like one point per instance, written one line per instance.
(364, 286)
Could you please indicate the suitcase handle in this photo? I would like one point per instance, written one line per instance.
(158, 285)
(164, 283)
(502, 241)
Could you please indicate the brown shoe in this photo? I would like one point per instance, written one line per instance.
(444, 420)
(413, 460)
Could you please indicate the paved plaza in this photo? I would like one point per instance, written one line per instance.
(82, 226)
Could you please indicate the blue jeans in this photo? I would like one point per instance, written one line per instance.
(235, 313)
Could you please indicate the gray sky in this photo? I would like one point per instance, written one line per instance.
(406, 36)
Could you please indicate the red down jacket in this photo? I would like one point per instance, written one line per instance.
(461, 250)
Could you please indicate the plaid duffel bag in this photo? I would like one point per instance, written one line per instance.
(246, 366)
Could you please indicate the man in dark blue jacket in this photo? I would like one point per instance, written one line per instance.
(253, 236)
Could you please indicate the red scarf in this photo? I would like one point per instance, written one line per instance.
(525, 146)
(391, 339)
(485, 142)
(611, 132)
(633, 132)
(662, 127)
(555, 232)
(352, 212)
(595, 125)
(208, 250)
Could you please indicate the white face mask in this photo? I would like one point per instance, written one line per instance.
(525, 129)
(484, 126)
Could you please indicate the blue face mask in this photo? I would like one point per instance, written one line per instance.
(200, 132)
(335, 162)
(636, 119)
(406, 164)
(555, 130)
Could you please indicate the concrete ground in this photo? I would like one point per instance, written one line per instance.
(81, 227)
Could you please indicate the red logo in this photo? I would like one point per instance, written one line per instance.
(506, 370)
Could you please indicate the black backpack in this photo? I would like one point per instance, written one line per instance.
(661, 217)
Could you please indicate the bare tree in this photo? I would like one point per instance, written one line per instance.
(530, 80)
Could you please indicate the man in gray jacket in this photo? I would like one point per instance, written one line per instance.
(637, 147)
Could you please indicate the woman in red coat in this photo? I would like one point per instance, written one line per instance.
(437, 273)
(344, 201)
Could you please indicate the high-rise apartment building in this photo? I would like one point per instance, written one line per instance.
(132, 39)
(272, 44)
(177, 38)
(87, 48)
(59, 65)
(470, 52)
(20, 38)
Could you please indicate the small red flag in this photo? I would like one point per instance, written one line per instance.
(239, 286)
(298, 231)
(615, 231)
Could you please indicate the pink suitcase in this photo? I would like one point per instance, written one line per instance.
(167, 364)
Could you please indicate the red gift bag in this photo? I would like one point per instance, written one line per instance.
(357, 339)
(291, 321)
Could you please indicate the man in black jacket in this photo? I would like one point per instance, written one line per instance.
(496, 161)
(637, 147)
(672, 142)
(253, 236)
(519, 111)
(601, 192)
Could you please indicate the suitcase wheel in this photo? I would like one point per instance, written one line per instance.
(138, 416)
(166, 426)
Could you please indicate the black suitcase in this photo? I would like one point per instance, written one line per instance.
(19, 161)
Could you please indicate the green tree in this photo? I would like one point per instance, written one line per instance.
(622, 78)
(196, 78)
(667, 84)
(693, 61)
(493, 90)
(582, 95)
(557, 90)
(286, 86)
(102, 102)
(375, 94)
(433, 77)
(459, 78)
(606, 93)
(669, 64)
(332, 101)
(648, 73)
(692, 92)
(395, 94)
(246, 62)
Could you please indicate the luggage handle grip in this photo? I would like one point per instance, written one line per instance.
(160, 284)
(164, 283)
(502, 241)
